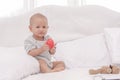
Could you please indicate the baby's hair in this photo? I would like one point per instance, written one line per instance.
(37, 15)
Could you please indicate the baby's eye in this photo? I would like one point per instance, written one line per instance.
(37, 26)
(44, 26)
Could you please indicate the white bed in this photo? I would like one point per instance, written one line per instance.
(72, 74)
(76, 74)
(88, 37)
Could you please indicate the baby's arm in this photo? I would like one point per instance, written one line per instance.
(37, 51)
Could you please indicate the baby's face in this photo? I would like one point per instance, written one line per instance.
(39, 27)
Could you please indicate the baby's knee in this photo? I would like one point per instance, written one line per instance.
(62, 63)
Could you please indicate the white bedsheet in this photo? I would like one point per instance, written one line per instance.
(73, 74)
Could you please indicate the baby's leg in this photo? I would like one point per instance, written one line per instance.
(58, 66)
(44, 67)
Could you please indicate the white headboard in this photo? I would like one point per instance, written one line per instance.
(65, 23)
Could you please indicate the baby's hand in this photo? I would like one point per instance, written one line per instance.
(52, 50)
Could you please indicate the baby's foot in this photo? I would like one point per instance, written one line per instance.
(45, 70)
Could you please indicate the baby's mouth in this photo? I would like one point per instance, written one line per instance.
(41, 33)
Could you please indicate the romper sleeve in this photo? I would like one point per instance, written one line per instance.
(29, 45)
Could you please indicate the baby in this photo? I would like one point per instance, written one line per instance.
(36, 46)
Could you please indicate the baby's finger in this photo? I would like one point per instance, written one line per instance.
(55, 44)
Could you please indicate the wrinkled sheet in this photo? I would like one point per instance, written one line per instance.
(72, 74)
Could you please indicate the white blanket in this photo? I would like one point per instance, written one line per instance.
(73, 74)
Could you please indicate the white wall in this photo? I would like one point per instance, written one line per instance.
(14, 7)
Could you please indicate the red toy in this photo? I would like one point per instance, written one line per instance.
(50, 43)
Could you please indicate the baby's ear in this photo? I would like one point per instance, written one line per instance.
(30, 27)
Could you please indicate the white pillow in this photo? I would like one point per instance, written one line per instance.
(112, 36)
(89, 51)
(15, 64)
